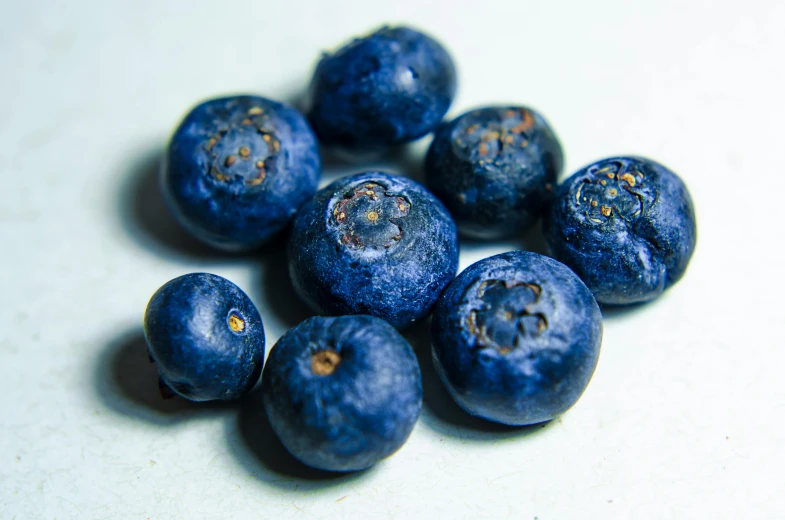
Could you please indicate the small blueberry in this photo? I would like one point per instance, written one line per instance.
(206, 338)
(374, 244)
(237, 168)
(495, 169)
(516, 338)
(626, 226)
(387, 88)
(342, 393)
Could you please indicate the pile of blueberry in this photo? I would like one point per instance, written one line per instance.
(515, 337)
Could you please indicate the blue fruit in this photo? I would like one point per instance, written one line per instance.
(516, 338)
(206, 338)
(374, 244)
(342, 393)
(387, 88)
(237, 168)
(626, 226)
(494, 168)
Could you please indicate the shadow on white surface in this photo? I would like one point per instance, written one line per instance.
(145, 217)
(441, 413)
(532, 240)
(409, 160)
(274, 286)
(406, 160)
(623, 312)
(127, 383)
(296, 95)
(254, 444)
(617, 312)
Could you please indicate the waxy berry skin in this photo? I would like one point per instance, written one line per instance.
(206, 338)
(375, 244)
(626, 226)
(342, 393)
(495, 168)
(516, 338)
(237, 168)
(388, 88)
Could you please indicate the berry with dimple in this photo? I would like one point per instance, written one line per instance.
(237, 169)
(495, 169)
(390, 87)
(626, 226)
(342, 393)
(374, 244)
(505, 317)
(516, 338)
(206, 338)
(368, 217)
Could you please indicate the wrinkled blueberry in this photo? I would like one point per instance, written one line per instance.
(237, 168)
(494, 168)
(206, 338)
(387, 88)
(516, 338)
(374, 244)
(342, 393)
(626, 226)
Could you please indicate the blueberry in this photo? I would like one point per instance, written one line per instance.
(388, 88)
(206, 338)
(237, 168)
(342, 393)
(516, 338)
(626, 226)
(495, 169)
(374, 244)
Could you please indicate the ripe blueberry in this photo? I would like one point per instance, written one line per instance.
(516, 338)
(237, 168)
(390, 87)
(626, 226)
(342, 393)
(494, 168)
(374, 244)
(206, 338)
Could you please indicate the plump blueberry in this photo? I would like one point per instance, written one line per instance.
(494, 168)
(387, 88)
(237, 168)
(342, 393)
(374, 244)
(206, 338)
(516, 338)
(626, 226)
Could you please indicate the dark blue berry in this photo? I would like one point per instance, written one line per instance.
(374, 244)
(516, 338)
(494, 168)
(237, 168)
(626, 226)
(206, 338)
(390, 87)
(342, 393)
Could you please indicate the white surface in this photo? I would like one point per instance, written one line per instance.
(684, 416)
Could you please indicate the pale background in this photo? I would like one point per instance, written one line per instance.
(684, 416)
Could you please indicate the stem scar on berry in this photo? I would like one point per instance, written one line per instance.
(324, 362)
(236, 323)
(505, 317)
(252, 141)
(360, 217)
(618, 198)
